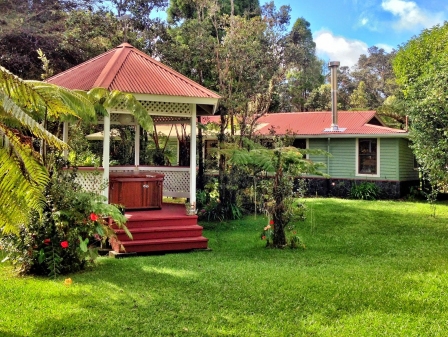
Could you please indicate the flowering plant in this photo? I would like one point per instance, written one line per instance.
(292, 238)
(268, 233)
(66, 236)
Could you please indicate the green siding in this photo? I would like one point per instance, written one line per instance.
(341, 163)
(343, 159)
(318, 144)
(406, 158)
(396, 160)
(388, 159)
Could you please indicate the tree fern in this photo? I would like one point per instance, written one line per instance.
(22, 175)
(104, 99)
(22, 182)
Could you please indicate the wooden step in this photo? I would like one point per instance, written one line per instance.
(144, 233)
(167, 229)
(139, 222)
(160, 245)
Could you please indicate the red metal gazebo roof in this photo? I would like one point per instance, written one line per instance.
(127, 69)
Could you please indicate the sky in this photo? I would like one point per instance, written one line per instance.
(343, 30)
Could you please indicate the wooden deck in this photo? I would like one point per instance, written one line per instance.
(167, 229)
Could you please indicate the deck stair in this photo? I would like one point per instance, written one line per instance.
(168, 229)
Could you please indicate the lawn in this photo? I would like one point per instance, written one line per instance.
(369, 269)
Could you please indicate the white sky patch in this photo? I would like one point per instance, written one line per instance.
(338, 48)
(364, 21)
(387, 48)
(410, 16)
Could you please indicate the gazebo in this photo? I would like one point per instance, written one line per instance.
(168, 97)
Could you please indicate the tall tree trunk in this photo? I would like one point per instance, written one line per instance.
(279, 240)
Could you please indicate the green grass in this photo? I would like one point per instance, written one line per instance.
(370, 269)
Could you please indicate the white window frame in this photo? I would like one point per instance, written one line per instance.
(378, 156)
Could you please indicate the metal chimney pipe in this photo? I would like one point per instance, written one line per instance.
(333, 65)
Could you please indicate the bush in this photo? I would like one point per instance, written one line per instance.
(365, 191)
(66, 236)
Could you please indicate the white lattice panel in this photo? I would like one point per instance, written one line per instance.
(176, 184)
(160, 108)
(90, 181)
(167, 108)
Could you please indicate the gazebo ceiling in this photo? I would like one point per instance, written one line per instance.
(127, 69)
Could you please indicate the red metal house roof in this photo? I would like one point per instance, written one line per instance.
(127, 69)
(315, 124)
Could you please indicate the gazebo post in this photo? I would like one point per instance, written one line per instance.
(193, 157)
(106, 154)
(137, 145)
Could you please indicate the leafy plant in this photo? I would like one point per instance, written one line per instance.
(365, 191)
(66, 236)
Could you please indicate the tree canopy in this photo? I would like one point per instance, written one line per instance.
(421, 68)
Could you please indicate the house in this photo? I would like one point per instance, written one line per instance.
(362, 149)
(168, 97)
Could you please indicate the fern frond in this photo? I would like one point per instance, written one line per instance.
(62, 103)
(9, 107)
(22, 182)
(141, 115)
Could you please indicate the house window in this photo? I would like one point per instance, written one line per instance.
(267, 143)
(299, 143)
(368, 156)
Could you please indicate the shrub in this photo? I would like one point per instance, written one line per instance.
(365, 191)
(66, 236)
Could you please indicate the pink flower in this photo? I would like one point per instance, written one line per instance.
(64, 244)
(93, 217)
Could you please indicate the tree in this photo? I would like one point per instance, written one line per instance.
(23, 105)
(187, 9)
(303, 68)
(319, 99)
(284, 165)
(358, 99)
(375, 70)
(421, 68)
(27, 26)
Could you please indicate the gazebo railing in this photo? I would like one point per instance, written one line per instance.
(91, 179)
(176, 183)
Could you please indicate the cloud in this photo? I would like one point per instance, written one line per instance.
(338, 48)
(410, 16)
(387, 48)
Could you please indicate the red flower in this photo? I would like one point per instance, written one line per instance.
(47, 241)
(93, 217)
(271, 222)
(263, 237)
(64, 244)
